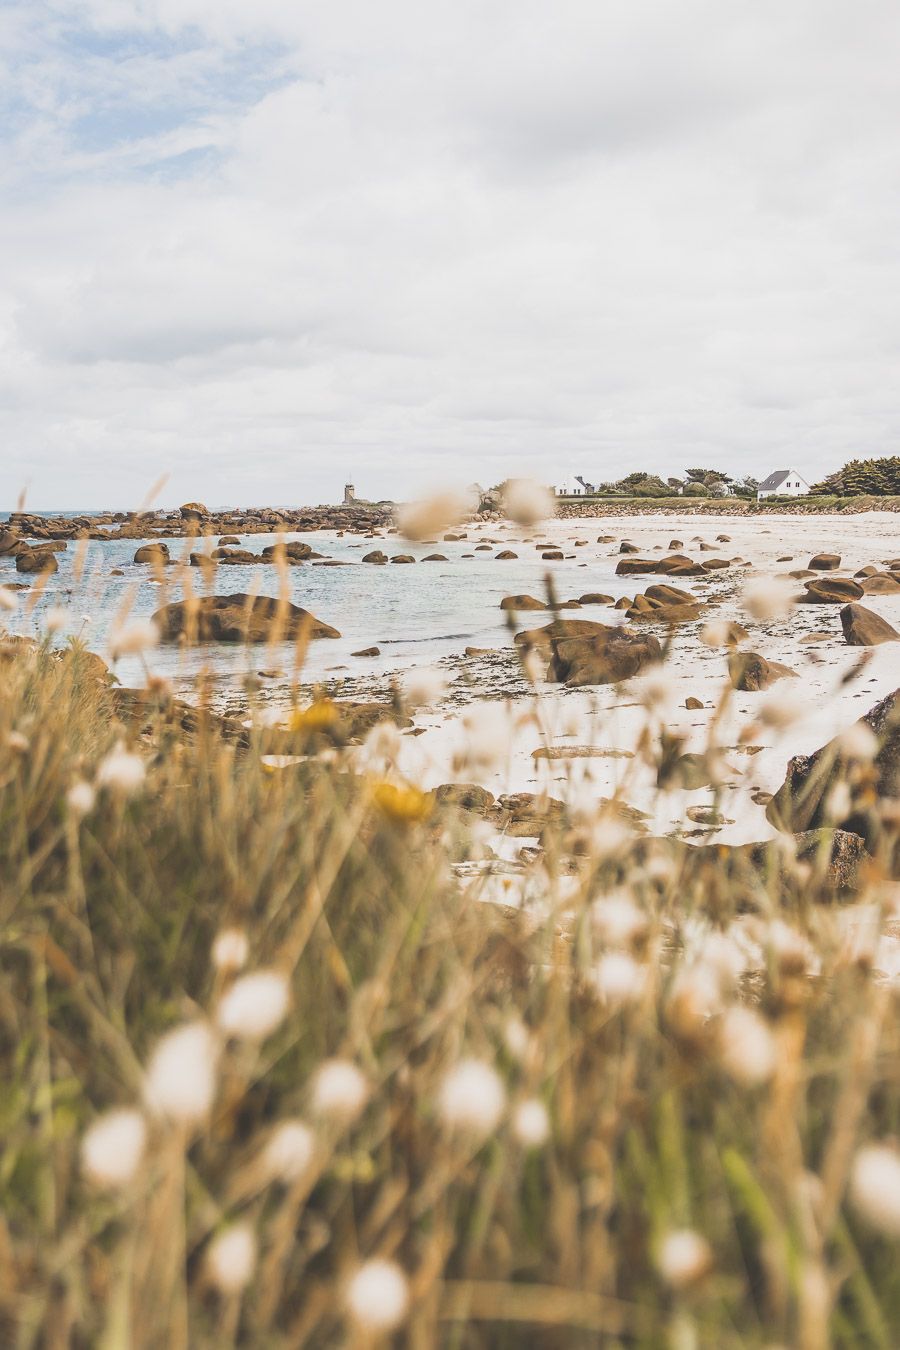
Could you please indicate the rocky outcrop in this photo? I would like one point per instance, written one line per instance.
(36, 560)
(862, 628)
(237, 618)
(155, 554)
(825, 562)
(521, 603)
(750, 673)
(832, 591)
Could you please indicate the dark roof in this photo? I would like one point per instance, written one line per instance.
(775, 480)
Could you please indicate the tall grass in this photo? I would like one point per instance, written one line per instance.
(685, 1183)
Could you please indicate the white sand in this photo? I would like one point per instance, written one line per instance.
(609, 718)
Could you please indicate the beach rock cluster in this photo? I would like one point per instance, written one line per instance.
(238, 618)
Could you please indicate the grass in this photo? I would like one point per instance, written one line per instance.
(657, 1125)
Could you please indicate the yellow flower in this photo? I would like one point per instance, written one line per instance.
(404, 803)
(316, 717)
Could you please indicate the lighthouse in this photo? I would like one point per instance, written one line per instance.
(349, 494)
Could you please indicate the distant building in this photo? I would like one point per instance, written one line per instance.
(349, 494)
(783, 483)
(575, 487)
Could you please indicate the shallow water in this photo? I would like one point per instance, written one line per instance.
(416, 614)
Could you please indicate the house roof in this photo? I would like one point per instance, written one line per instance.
(775, 480)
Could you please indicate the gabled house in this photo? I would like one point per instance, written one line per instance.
(783, 483)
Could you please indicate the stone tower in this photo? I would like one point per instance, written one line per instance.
(349, 494)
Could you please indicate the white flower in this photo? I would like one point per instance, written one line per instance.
(231, 1258)
(517, 1038)
(254, 1005)
(659, 690)
(18, 743)
(526, 502)
(839, 801)
(782, 708)
(378, 1295)
(181, 1075)
(132, 638)
(423, 687)
(618, 920)
(121, 771)
(684, 1257)
(113, 1147)
(8, 599)
(472, 1098)
(717, 633)
(339, 1090)
(746, 1046)
(618, 979)
(859, 742)
(488, 734)
(768, 598)
(81, 798)
(55, 619)
(289, 1151)
(875, 1187)
(531, 1123)
(230, 950)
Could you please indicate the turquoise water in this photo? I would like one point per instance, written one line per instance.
(416, 613)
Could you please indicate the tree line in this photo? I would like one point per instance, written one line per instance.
(860, 477)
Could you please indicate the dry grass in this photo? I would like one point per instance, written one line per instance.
(661, 1118)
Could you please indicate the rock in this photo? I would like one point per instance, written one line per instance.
(157, 554)
(524, 815)
(193, 511)
(693, 703)
(228, 539)
(465, 796)
(239, 557)
(293, 550)
(36, 560)
(9, 543)
(825, 562)
(521, 602)
(583, 652)
(881, 583)
(667, 614)
(675, 544)
(595, 598)
(801, 801)
(670, 595)
(506, 556)
(237, 618)
(716, 564)
(862, 628)
(552, 555)
(368, 651)
(832, 591)
(723, 538)
(741, 875)
(376, 557)
(625, 547)
(809, 638)
(403, 558)
(432, 557)
(751, 673)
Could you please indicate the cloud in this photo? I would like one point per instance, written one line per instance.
(261, 245)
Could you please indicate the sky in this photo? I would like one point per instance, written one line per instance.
(261, 247)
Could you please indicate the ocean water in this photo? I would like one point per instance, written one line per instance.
(416, 614)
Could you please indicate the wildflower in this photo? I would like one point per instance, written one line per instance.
(619, 979)
(424, 519)
(531, 1123)
(684, 1257)
(875, 1187)
(132, 638)
(254, 1005)
(423, 687)
(472, 1098)
(230, 950)
(181, 1075)
(527, 502)
(121, 772)
(18, 743)
(402, 803)
(718, 633)
(55, 619)
(859, 742)
(383, 743)
(231, 1258)
(339, 1090)
(488, 735)
(534, 666)
(618, 920)
(8, 599)
(839, 802)
(746, 1046)
(659, 690)
(316, 716)
(782, 708)
(696, 995)
(113, 1147)
(378, 1296)
(769, 598)
(517, 1038)
(289, 1151)
(81, 798)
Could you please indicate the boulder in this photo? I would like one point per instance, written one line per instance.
(552, 555)
(583, 652)
(670, 595)
(9, 543)
(825, 562)
(433, 557)
(36, 560)
(625, 547)
(193, 511)
(376, 557)
(156, 554)
(667, 614)
(881, 583)
(801, 801)
(367, 651)
(237, 618)
(750, 673)
(465, 796)
(521, 602)
(403, 558)
(293, 551)
(507, 555)
(862, 628)
(595, 598)
(832, 591)
(228, 539)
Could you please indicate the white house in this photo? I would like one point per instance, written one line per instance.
(783, 483)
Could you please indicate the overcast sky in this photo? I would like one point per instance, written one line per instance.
(259, 245)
